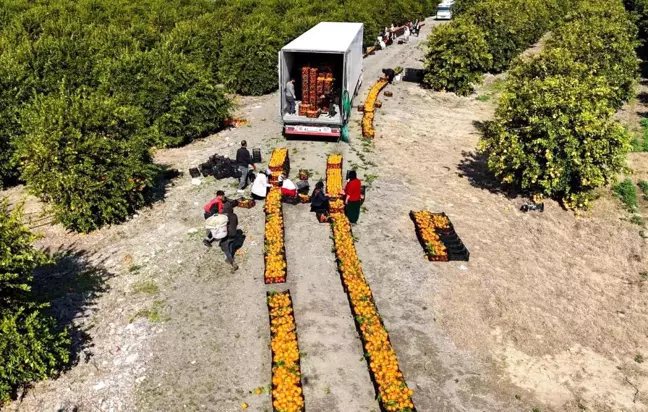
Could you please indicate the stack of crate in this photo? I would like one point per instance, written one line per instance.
(305, 104)
(328, 83)
(312, 87)
(324, 87)
(315, 83)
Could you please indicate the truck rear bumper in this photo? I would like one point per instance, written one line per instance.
(312, 130)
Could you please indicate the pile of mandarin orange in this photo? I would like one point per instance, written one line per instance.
(275, 259)
(278, 157)
(368, 117)
(334, 175)
(276, 164)
(426, 224)
(286, 377)
(393, 391)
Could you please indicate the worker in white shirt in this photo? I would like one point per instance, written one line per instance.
(406, 34)
(260, 186)
(288, 188)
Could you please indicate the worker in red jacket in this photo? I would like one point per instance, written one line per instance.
(215, 206)
(353, 197)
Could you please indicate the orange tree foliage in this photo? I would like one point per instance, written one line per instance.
(159, 70)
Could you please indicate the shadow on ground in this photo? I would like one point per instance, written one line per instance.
(71, 284)
(164, 178)
(474, 167)
(239, 240)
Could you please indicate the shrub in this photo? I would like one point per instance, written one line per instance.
(12, 93)
(502, 23)
(627, 193)
(643, 185)
(610, 47)
(457, 57)
(462, 6)
(553, 133)
(507, 27)
(199, 39)
(248, 62)
(30, 347)
(17, 257)
(83, 153)
(178, 97)
(639, 13)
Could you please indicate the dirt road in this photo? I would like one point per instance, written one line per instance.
(549, 313)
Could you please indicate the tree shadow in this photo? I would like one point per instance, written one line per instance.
(643, 98)
(71, 284)
(413, 75)
(474, 166)
(164, 178)
(643, 65)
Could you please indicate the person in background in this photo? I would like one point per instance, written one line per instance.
(415, 28)
(288, 188)
(406, 33)
(260, 186)
(227, 243)
(390, 74)
(215, 206)
(319, 201)
(332, 101)
(243, 161)
(353, 197)
(290, 95)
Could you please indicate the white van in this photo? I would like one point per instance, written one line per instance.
(444, 10)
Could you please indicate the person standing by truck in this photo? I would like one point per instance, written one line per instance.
(243, 160)
(389, 74)
(290, 95)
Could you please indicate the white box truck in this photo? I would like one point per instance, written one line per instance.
(334, 48)
(444, 10)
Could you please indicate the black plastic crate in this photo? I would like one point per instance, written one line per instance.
(455, 248)
(256, 155)
(194, 172)
(206, 169)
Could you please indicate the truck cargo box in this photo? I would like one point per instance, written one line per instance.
(324, 61)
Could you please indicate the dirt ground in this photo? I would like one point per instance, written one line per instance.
(549, 313)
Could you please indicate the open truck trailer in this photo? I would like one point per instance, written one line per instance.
(326, 64)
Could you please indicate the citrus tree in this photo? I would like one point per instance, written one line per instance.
(83, 154)
(31, 346)
(457, 57)
(553, 133)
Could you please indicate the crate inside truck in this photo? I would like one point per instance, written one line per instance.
(326, 65)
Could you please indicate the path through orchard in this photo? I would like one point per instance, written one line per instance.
(335, 375)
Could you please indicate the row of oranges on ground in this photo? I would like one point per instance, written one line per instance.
(393, 393)
(278, 158)
(287, 393)
(275, 258)
(427, 224)
(334, 175)
(368, 130)
(277, 165)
